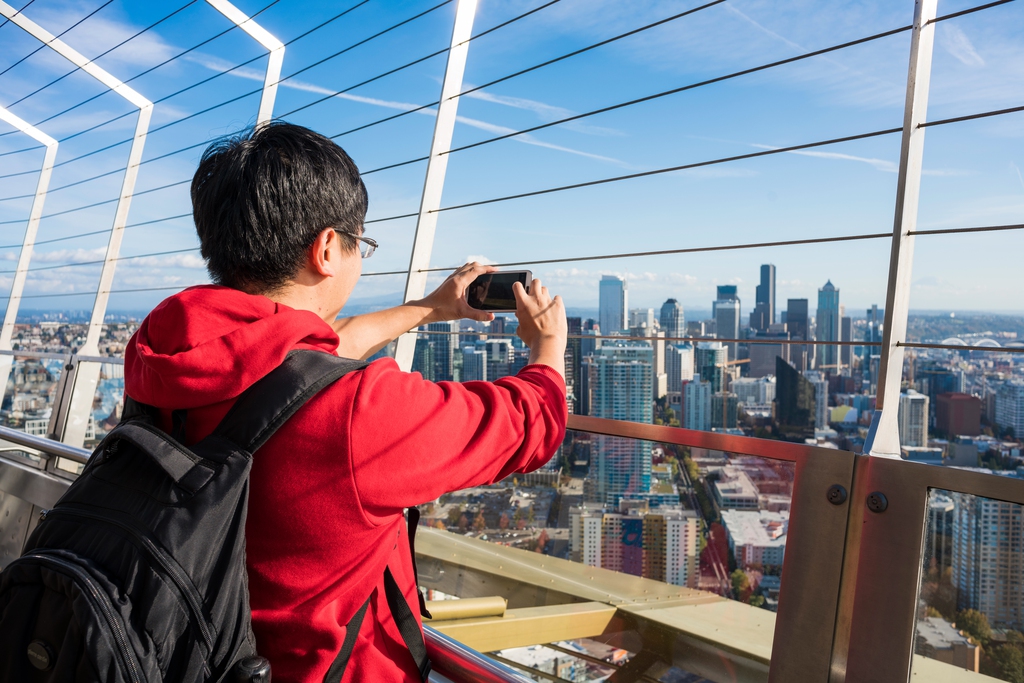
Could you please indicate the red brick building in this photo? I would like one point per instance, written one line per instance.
(958, 414)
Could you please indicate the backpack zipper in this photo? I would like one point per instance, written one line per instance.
(98, 598)
(170, 567)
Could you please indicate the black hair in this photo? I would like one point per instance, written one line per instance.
(261, 197)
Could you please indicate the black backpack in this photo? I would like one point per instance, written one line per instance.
(137, 575)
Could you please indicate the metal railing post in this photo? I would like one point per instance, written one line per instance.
(883, 438)
(88, 376)
(18, 286)
(264, 38)
(433, 185)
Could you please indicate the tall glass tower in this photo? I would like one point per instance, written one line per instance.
(671, 319)
(763, 315)
(625, 376)
(614, 304)
(828, 325)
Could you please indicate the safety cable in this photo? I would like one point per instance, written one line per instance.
(25, 7)
(59, 35)
(420, 59)
(100, 232)
(533, 68)
(109, 291)
(613, 337)
(955, 347)
(217, 75)
(665, 93)
(151, 69)
(348, 89)
(106, 52)
(643, 174)
(100, 261)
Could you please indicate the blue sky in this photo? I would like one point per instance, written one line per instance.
(973, 170)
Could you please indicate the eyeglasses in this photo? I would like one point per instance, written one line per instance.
(367, 246)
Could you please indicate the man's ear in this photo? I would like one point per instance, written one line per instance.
(321, 258)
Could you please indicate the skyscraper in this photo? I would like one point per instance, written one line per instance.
(913, 419)
(697, 404)
(423, 360)
(678, 366)
(828, 326)
(709, 362)
(764, 300)
(672, 323)
(444, 348)
(614, 303)
(987, 564)
(846, 335)
(727, 317)
(573, 359)
(794, 403)
(623, 392)
(797, 325)
(872, 332)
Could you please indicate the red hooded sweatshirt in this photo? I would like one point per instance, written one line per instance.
(328, 489)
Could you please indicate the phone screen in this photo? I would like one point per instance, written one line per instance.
(493, 291)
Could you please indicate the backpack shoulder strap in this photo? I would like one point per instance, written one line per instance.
(267, 404)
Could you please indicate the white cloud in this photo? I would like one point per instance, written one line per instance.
(954, 41)
(480, 258)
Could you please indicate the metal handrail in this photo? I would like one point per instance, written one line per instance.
(729, 443)
(460, 663)
(44, 445)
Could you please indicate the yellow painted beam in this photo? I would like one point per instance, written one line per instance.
(530, 626)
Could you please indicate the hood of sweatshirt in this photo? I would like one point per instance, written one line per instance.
(208, 344)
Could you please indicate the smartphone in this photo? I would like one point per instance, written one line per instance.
(493, 291)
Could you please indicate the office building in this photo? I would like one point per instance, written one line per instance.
(672, 322)
(938, 542)
(821, 414)
(710, 360)
(988, 558)
(573, 361)
(958, 414)
(500, 358)
(622, 391)
(1010, 406)
(757, 538)
(614, 303)
(727, 317)
(913, 419)
(763, 315)
(798, 326)
(678, 366)
(873, 332)
(659, 544)
(828, 327)
(845, 335)
(762, 355)
(474, 364)
(724, 410)
(754, 390)
(423, 360)
(445, 346)
(795, 405)
(641, 321)
(697, 404)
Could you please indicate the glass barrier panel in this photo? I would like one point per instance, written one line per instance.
(29, 394)
(108, 403)
(971, 607)
(699, 524)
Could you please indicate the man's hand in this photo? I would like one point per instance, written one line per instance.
(449, 302)
(542, 325)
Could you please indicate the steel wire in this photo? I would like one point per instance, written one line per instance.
(59, 35)
(532, 68)
(25, 7)
(100, 261)
(106, 52)
(799, 342)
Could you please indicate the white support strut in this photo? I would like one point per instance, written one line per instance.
(883, 438)
(437, 165)
(35, 213)
(88, 375)
(264, 38)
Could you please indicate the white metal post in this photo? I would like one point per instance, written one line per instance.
(264, 38)
(437, 165)
(88, 376)
(883, 438)
(18, 286)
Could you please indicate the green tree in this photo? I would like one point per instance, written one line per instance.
(740, 585)
(757, 600)
(1010, 662)
(975, 624)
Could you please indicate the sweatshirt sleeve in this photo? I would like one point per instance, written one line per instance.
(412, 440)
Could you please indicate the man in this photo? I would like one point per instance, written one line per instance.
(279, 213)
